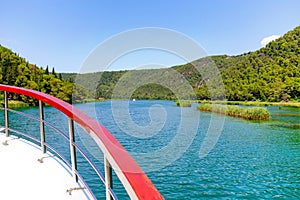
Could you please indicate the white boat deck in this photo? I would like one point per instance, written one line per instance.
(22, 176)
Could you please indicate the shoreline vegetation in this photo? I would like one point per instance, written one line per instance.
(17, 104)
(188, 103)
(255, 103)
(252, 113)
(89, 101)
(181, 103)
(184, 103)
(21, 104)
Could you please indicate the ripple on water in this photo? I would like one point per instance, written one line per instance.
(250, 160)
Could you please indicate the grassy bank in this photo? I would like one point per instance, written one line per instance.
(89, 101)
(20, 104)
(254, 113)
(183, 103)
(256, 103)
(17, 104)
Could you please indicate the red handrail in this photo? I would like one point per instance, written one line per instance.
(135, 181)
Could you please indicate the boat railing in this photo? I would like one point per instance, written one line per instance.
(132, 177)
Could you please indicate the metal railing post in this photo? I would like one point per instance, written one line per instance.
(73, 149)
(108, 178)
(42, 126)
(6, 114)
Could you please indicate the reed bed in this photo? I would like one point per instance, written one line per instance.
(255, 103)
(184, 103)
(253, 113)
(287, 125)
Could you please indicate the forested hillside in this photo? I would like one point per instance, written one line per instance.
(102, 84)
(16, 71)
(271, 74)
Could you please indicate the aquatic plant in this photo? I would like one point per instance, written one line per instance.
(255, 103)
(252, 113)
(287, 125)
(183, 103)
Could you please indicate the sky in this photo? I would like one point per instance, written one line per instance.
(62, 34)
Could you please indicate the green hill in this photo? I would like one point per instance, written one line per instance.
(270, 74)
(16, 71)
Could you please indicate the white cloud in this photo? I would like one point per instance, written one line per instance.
(268, 39)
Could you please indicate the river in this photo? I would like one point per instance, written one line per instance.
(246, 159)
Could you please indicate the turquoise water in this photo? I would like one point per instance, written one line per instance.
(251, 160)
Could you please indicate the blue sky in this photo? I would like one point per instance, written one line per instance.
(61, 34)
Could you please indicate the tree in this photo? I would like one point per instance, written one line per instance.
(47, 70)
(53, 72)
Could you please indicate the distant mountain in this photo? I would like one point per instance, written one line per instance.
(16, 71)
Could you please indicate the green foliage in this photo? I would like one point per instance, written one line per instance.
(17, 104)
(153, 91)
(16, 71)
(253, 113)
(47, 70)
(183, 103)
(98, 84)
(255, 103)
(118, 84)
(54, 73)
(270, 74)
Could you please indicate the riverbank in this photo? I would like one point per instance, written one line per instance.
(255, 103)
(17, 104)
(184, 103)
(89, 101)
(21, 104)
(253, 113)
